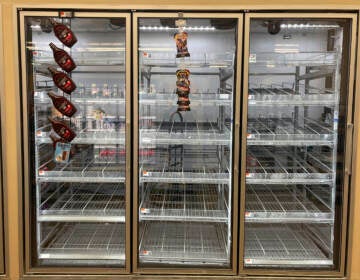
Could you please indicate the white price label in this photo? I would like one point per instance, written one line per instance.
(248, 261)
(146, 173)
(250, 136)
(39, 133)
(248, 214)
(144, 210)
(249, 175)
(252, 58)
(145, 253)
(223, 96)
(41, 172)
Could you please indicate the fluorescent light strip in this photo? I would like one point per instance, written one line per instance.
(190, 28)
(307, 25)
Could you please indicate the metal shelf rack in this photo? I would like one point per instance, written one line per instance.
(283, 245)
(283, 131)
(184, 243)
(85, 241)
(196, 203)
(86, 203)
(278, 204)
(186, 133)
(282, 166)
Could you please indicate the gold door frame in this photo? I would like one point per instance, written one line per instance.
(25, 189)
(347, 154)
(236, 108)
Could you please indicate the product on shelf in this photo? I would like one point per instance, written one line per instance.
(62, 81)
(62, 104)
(183, 89)
(63, 33)
(62, 58)
(181, 44)
(64, 131)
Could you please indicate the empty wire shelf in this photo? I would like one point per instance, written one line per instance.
(284, 94)
(85, 202)
(277, 204)
(78, 98)
(283, 246)
(184, 165)
(284, 131)
(184, 243)
(90, 241)
(274, 165)
(182, 133)
(82, 168)
(204, 203)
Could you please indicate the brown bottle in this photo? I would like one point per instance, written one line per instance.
(62, 58)
(64, 33)
(63, 105)
(62, 81)
(62, 130)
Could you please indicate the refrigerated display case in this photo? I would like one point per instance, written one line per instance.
(77, 192)
(296, 137)
(185, 190)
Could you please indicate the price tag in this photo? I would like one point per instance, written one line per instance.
(39, 133)
(145, 253)
(62, 152)
(250, 136)
(248, 214)
(144, 210)
(223, 96)
(249, 175)
(41, 172)
(145, 173)
(252, 58)
(146, 140)
(248, 261)
(251, 96)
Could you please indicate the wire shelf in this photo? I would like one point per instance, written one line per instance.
(190, 133)
(87, 136)
(193, 166)
(282, 245)
(82, 168)
(271, 59)
(280, 95)
(184, 243)
(90, 241)
(86, 202)
(268, 165)
(203, 203)
(41, 98)
(283, 204)
(196, 60)
(276, 131)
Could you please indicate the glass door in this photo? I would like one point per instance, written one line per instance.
(297, 107)
(185, 188)
(75, 90)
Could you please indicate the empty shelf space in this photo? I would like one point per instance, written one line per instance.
(316, 58)
(283, 246)
(82, 168)
(184, 243)
(85, 202)
(193, 133)
(78, 98)
(213, 61)
(88, 241)
(86, 136)
(282, 95)
(274, 165)
(181, 164)
(286, 131)
(277, 204)
(166, 202)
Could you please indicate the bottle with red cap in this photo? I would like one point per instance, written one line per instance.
(62, 81)
(63, 105)
(63, 33)
(62, 58)
(62, 130)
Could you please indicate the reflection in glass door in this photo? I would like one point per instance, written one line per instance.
(297, 96)
(74, 96)
(185, 110)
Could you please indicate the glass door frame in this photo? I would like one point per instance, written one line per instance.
(348, 144)
(27, 219)
(236, 134)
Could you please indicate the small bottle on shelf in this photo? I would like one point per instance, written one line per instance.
(62, 104)
(62, 81)
(106, 90)
(63, 33)
(94, 90)
(115, 90)
(62, 58)
(64, 131)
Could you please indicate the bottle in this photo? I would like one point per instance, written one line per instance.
(63, 33)
(115, 90)
(62, 130)
(106, 90)
(62, 58)
(94, 90)
(62, 81)
(63, 105)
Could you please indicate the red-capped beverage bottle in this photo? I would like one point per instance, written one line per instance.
(62, 130)
(62, 58)
(63, 105)
(62, 81)
(64, 33)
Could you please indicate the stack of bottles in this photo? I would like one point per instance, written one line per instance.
(183, 89)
